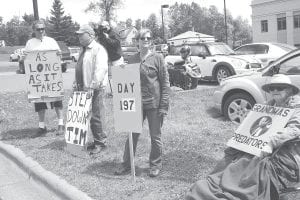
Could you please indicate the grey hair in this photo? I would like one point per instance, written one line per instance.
(37, 22)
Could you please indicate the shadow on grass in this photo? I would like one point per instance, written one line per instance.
(185, 166)
(215, 113)
(18, 134)
(107, 169)
(56, 145)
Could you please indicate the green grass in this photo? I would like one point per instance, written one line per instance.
(194, 137)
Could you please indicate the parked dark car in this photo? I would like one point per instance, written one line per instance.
(128, 51)
(65, 55)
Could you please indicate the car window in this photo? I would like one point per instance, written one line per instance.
(290, 66)
(219, 49)
(253, 49)
(199, 50)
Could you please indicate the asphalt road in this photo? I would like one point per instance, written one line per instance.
(12, 82)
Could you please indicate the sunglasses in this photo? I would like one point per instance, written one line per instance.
(144, 38)
(40, 29)
(278, 88)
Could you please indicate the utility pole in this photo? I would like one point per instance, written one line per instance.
(162, 20)
(35, 9)
(225, 21)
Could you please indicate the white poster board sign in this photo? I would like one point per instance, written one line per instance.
(78, 119)
(261, 122)
(127, 102)
(43, 76)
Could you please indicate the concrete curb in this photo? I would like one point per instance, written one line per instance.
(36, 172)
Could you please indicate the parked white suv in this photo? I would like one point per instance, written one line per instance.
(216, 60)
(237, 94)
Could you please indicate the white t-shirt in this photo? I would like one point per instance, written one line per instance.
(47, 43)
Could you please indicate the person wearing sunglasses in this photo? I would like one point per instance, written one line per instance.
(41, 42)
(242, 176)
(155, 88)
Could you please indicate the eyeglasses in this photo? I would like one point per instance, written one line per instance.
(144, 38)
(40, 29)
(278, 88)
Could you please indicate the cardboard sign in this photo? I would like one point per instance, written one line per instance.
(78, 121)
(43, 76)
(127, 98)
(261, 122)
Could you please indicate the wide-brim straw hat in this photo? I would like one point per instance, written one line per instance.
(280, 80)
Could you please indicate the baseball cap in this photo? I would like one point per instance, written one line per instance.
(86, 29)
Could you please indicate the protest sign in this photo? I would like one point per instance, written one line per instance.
(43, 76)
(261, 122)
(127, 98)
(78, 122)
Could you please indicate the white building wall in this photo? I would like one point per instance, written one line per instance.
(269, 10)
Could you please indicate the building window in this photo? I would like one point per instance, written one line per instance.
(281, 23)
(297, 21)
(264, 25)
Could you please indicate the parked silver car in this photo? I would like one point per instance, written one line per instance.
(237, 94)
(215, 59)
(265, 52)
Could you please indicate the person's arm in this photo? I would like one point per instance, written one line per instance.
(292, 129)
(101, 68)
(113, 40)
(163, 77)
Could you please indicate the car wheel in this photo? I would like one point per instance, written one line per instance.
(237, 106)
(221, 73)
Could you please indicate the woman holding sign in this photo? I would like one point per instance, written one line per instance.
(242, 176)
(155, 100)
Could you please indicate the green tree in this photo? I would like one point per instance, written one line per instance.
(60, 26)
(152, 24)
(128, 23)
(138, 24)
(105, 8)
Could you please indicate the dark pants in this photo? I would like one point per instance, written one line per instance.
(155, 123)
(43, 106)
(98, 118)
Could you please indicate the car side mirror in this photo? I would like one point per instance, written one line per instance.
(275, 69)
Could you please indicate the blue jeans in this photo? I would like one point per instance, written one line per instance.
(155, 123)
(98, 118)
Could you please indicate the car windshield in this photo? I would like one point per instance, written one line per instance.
(220, 49)
(285, 47)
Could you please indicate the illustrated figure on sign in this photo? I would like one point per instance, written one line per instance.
(261, 126)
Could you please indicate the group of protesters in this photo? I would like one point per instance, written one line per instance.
(238, 175)
(100, 51)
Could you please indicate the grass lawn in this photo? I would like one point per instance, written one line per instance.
(194, 137)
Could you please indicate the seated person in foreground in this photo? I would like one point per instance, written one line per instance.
(241, 176)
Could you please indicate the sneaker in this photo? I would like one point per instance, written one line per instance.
(40, 132)
(97, 149)
(60, 130)
(154, 172)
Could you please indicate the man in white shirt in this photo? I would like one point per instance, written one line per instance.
(39, 43)
(91, 75)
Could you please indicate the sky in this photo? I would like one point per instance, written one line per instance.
(133, 9)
